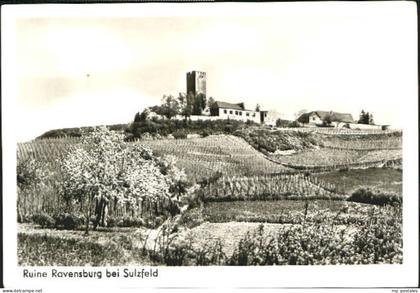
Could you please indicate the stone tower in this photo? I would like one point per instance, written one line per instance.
(196, 82)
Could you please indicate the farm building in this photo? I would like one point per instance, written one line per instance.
(224, 110)
(317, 118)
(270, 117)
(338, 120)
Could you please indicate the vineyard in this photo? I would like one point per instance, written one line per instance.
(46, 150)
(331, 157)
(246, 173)
(344, 131)
(368, 143)
(300, 184)
(337, 212)
(202, 157)
(385, 179)
(199, 157)
(297, 186)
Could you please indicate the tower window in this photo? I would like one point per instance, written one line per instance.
(225, 111)
(236, 112)
(230, 112)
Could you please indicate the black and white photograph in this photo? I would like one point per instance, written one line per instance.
(214, 137)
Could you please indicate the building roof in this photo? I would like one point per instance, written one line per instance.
(239, 106)
(335, 116)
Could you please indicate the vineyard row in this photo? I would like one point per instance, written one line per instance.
(297, 186)
(356, 165)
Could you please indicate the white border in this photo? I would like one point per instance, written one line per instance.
(210, 277)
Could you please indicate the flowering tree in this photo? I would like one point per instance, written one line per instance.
(106, 168)
(29, 174)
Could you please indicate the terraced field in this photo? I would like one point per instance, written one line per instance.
(296, 186)
(227, 154)
(199, 157)
(366, 142)
(326, 156)
(385, 179)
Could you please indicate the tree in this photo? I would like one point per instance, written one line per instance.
(29, 174)
(105, 168)
(137, 117)
(199, 104)
(202, 102)
(185, 105)
(299, 113)
(327, 120)
(371, 121)
(170, 106)
(211, 103)
(362, 117)
(365, 118)
(182, 102)
(142, 116)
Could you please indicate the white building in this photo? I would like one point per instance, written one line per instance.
(318, 118)
(230, 111)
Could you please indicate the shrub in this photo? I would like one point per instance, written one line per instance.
(268, 141)
(68, 221)
(180, 134)
(377, 197)
(131, 222)
(192, 218)
(44, 220)
(113, 222)
(205, 133)
(229, 129)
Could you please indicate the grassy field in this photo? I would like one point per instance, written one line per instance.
(51, 247)
(264, 210)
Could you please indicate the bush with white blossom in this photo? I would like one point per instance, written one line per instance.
(105, 167)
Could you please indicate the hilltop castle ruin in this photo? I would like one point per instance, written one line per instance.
(196, 84)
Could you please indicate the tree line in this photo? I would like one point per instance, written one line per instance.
(185, 105)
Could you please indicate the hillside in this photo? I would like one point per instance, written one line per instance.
(199, 157)
(226, 154)
(77, 131)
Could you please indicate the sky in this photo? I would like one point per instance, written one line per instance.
(77, 69)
